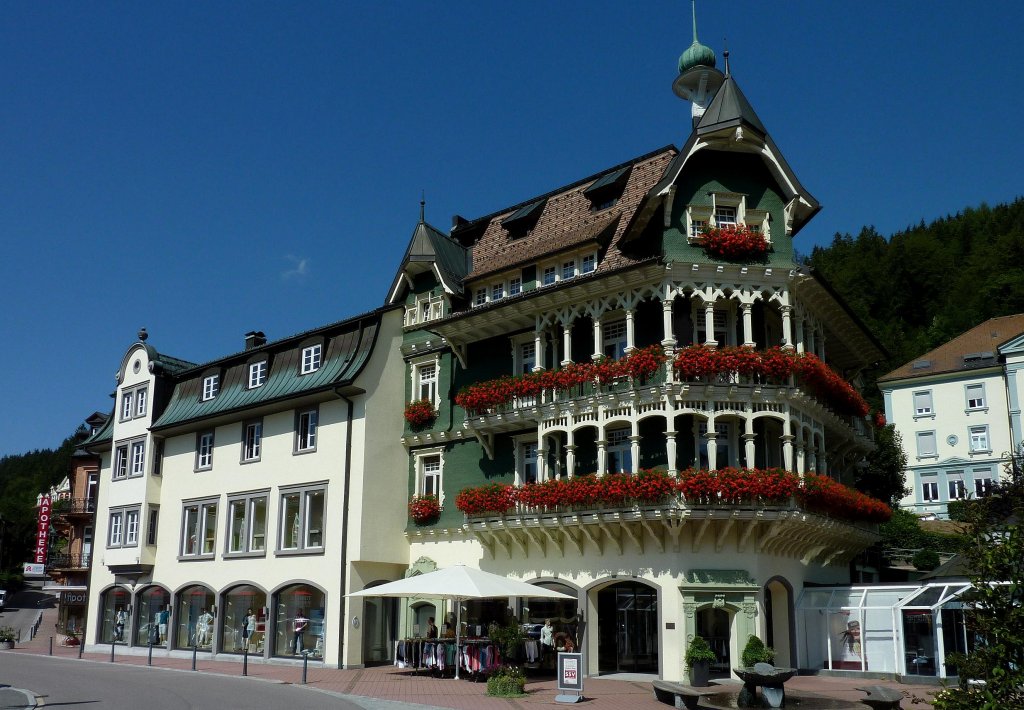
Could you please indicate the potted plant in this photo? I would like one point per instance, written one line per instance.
(424, 510)
(756, 652)
(420, 413)
(6, 637)
(699, 658)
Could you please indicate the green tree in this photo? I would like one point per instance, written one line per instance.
(995, 603)
(885, 475)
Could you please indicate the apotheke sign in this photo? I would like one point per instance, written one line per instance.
(43, 530)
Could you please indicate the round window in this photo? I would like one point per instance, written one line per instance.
(137, 366)
(951, 440)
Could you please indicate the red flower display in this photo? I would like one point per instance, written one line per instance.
(483, 396)
(880, 420)
(739, 243)
(699, 362)
(695, 487)
(424, 510)
(420, 412)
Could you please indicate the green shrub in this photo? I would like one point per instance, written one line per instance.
(756, 652)
(699, 652)
(925, 560)
(6, 633)
(507, 682)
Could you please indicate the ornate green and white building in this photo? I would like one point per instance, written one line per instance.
(648, 317)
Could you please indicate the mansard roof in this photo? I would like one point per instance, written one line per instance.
(569, 218)
(728, 109)
(978, 347)
(347, 347)
(429, 248)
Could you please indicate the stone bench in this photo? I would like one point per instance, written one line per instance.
(679, 695)
(881, 698)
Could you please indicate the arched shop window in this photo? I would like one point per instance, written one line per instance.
(114, 613)
(196, 613)
(152, 616)
(238, 630)
(562, 612)
(310, 603)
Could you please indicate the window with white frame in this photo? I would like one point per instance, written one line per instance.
(568, 269)
(698, 217)
(955, 484)
(515, 286)
(926, 445)
(723, 451)
(127, 405)
(923, 403)
(527, 357)
(720, 321)
(124, 527)
(549, 276)
(120, 462)
(211, 386)
(498, 291)
(247, 523)
(252, 440)
(199, 528)
(424, 311)
(429, 473)
(133, 402)
(481, 296)
(929, 491)
(204, 450)
(618, 451)
(138, 458)
(257, 374)
(305, 430)
(588, 263)
(131, 527)
(613, 339)
(976, 396)
(979, 438)
(302, 519)
(529, 468)
(725, 216)
(425, 381)
(982, 483)
(311, 358)
(141, 397)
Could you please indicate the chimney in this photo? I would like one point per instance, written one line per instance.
(457, 221)
(255, 339)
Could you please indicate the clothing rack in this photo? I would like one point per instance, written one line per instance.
(478, 657)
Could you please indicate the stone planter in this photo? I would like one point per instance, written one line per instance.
(699, 673)
(6, 645)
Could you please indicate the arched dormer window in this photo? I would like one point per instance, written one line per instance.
(311, 355)
(210, 385)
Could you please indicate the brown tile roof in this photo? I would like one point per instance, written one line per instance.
(567, 221)
(983, 338)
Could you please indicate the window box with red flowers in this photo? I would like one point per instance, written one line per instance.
(424, 510)
(420, 413)
(735, 243)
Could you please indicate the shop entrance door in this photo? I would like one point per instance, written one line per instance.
(627, 622)
(713, 625)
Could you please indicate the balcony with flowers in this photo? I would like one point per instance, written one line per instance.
(693, 380)
(736, 243)
(770, 511)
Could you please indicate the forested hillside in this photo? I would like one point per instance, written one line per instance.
(923, 286)
(22, 478)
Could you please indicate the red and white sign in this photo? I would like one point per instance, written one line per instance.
(43, 529)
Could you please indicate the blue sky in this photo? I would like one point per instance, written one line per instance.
(208, 168)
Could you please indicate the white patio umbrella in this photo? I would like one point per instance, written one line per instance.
(459, 583)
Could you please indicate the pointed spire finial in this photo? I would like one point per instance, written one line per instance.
(423, 203)
(693, 5)
(725, 55)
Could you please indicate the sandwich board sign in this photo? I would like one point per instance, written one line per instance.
(570, 678)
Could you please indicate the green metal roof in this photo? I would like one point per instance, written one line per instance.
(103, 435)
(347, 348)
(429, 245)
(729, 108)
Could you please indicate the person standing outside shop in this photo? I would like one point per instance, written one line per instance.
(547, 640)
(431, 628)
(299, 626)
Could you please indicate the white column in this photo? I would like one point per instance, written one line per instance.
(709, 324)
(567, 343)
(801, 452)
(602, 453)
(630, 333)
(799, 332)
(634, 451)
(749, 437)
(598, 339)
(570, 455)
(748, 324)
(670, 452)
(787, 446)
(710, 436)
(787, 327)
(539, 350)
(542, 459)
(669, 339)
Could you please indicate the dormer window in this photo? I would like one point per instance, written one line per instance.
(568, 269)
(311, 358)
(725, 217)
(588, 263)
(481, 297)
(520, 222)
(604, 193)
(257, 374)
(550, 275)
(497, 291)
(211, 386)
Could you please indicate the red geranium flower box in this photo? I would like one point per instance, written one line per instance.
(424, 510)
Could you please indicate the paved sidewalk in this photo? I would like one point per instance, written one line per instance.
(391, 688)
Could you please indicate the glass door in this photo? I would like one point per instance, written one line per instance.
(628, 629)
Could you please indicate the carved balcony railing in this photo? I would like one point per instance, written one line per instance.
(69, 562)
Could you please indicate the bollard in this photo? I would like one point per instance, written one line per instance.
(195, 649)
(245, 660)
(51, 645)
(305, 662)
(149, 661)
(111, 651)
(81, 645)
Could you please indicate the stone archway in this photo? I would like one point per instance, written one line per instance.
(733, 591)
(780, 623)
